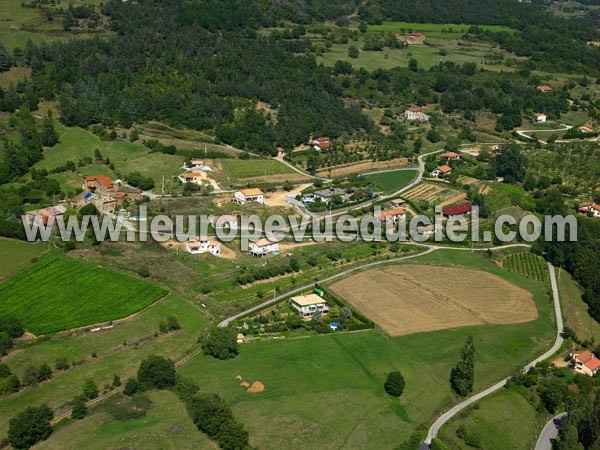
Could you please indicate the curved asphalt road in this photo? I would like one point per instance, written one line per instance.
(549, 432)
(435, 428)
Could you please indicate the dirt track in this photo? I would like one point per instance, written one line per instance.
(409, 299)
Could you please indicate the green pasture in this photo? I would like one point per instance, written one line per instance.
(59, 293)
(440, 30)
(236, 169)
(18, 255)
(393, 180)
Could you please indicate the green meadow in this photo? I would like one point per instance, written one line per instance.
(20, 255)
(59, 293)
(393, 180)
(432, 29)
(250, 168)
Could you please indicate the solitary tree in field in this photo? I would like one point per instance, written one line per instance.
(30, 426)
(79, 410)
(395, 383)
(463, 374)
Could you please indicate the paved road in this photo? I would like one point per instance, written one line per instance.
(435, 428)
(549, 432)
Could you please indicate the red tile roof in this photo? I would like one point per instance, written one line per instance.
(449, 155)
(445, 169)
(101, 180)
(455, 210)
(588, 359)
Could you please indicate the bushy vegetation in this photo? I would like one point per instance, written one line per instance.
(220, 343)
(394, 384)
(462, 375)
(30, 426)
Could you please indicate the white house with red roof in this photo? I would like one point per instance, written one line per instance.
(442, 171)
(98, 183)
(450, 156)
(592, 208)
(391, 216)
(248, 195)
(321, 143)
(586, 362)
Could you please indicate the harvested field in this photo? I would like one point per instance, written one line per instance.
(364, 166)
(417, 298)
(277, 198)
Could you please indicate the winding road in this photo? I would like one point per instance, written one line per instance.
(435, 428)
(549, 432)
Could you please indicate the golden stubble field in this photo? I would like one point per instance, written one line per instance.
(406, 299)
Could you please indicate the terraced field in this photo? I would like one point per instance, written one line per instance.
(435, 194)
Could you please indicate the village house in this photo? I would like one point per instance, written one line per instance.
(126, 193)
(45, 216)
(104, 203)
(203, 244)
(457, 210)
(240, 338)
(281, 153)
(391, 216)
(224, 221)
(248, 195)
(98, 184)
(544, 88)
(586, 129)
(429, 230)
(539, 117)
(321, 143)
(450, 156)
(412, 38)
(416, 113)
(263, 247)
(586, 362)
(308, 305)
(193, 176)
(442, 171)
(395, 203)
(325, 195)
(198, 164)
(589, 208)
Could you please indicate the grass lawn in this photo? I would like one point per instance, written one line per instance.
(503, 421)
(249, 168)
(163, 426)
(392, 181)
(59, 293)
(574, 309)
(307, 404)
(20, 254)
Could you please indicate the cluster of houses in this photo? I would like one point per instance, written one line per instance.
(589, 208)
(445, 170)
(104, 194)
(412, 38)
(326, 195)
(585, 362)
(99, 190)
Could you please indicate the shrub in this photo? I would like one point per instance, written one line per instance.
(221, 343)
(79, 409)
(61, 364)
(395, 383)
(132, 386)
(30, 426)
(157, 372)
(90, 389)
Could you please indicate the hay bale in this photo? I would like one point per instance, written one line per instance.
(238, 378)
(256, 388)
(245, 384)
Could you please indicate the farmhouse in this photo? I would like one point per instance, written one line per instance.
(45, 216)
(416, 113)
(98, 183)
(589, 208)
(240, 338)
(442, 171)
(396, 203)
(586, 129)
(248, 195)
(125, 193)
(325, 195)
(539, 117)
(263, 247)
(198, 164)
(224, 221)
(281, 152)
(544, 88)
(450, 156)
(457, 210)
(193, 176)
(203, 244)
(308, 305)
(321, 143)
(586, 362)
(412, 38)
(429, 230)
(104, 203)
(391, 216)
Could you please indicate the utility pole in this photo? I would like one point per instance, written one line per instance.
(163, 185)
